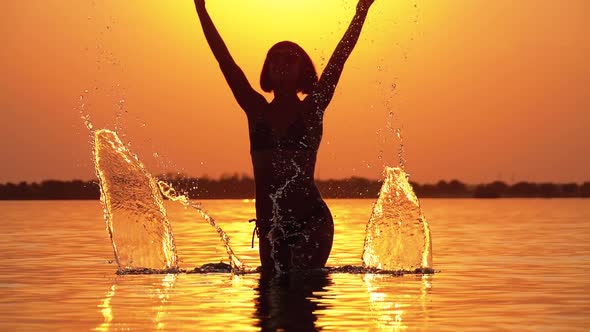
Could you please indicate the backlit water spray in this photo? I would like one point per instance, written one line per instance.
(137, 223)
(397, 235)
(170, 193)
(133, 207)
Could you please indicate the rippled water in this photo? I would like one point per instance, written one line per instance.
(511, 265)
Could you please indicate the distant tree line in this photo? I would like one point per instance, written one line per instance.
(235, 186)
(499, 189)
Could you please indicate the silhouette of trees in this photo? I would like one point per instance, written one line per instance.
(353, 187)
(569, 190)
(495, 189)
(523, 189)
(234, 186)
(452, 189)
(50, 190)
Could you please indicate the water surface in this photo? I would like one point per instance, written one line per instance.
(514, 265)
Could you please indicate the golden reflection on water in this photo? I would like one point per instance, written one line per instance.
(514, 265)
(154, 295)
(296, 302)
(391, 300)
(106, 310)
(162, 295)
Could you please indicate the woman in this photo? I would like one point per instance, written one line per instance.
(295, 226)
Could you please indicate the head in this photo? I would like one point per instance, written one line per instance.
(287, 67)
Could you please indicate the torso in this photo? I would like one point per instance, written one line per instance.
(295, 225)
(283, 146)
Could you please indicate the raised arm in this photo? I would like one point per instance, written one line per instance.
(326, 86)
(246, 96)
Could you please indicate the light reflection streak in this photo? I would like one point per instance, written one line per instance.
(106, 310)
(395, 302)
(159, 293)
(162, 294)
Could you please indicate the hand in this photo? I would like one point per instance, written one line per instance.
(364, 5)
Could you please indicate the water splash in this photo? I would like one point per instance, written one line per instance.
(170, 193)
(226, 268)
(133, 207)
(400, 152)
(397, 235)
(134, 210)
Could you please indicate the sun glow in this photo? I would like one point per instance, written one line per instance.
(250, 28)
(261, 23)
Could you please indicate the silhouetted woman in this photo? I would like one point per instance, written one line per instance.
(294, 224)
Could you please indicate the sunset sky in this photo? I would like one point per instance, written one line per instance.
(483, 90)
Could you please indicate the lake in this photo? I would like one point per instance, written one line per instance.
(505, 265)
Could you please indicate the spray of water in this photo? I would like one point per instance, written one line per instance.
(133, 207)
(400, 152)
(169, 192)
(134, 210)
(397, 235)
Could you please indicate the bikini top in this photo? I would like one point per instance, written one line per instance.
(298, 136)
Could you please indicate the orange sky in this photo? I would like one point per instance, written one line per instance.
(484, 90)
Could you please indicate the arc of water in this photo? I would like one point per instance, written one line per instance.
(169, 192)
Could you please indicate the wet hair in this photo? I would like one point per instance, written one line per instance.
(308, 76)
